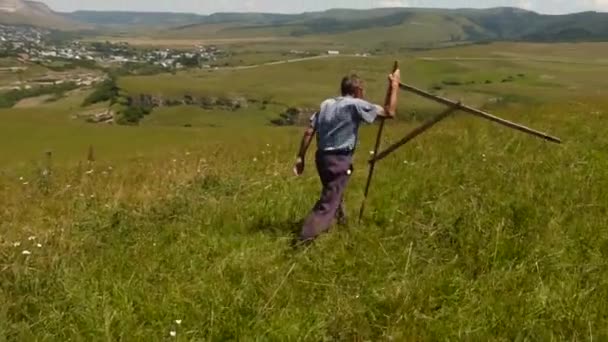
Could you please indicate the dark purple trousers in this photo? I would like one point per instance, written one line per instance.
(334, 171)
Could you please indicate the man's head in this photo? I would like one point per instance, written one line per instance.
(352, 85)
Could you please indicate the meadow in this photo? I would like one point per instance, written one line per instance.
(473, 231)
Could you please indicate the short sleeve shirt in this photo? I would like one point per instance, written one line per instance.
(337, 123)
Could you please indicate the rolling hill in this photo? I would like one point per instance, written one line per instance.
(406, 26)
(21, 12)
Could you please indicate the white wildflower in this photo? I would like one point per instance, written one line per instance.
(17, 244)
(92, 196)
(187, 153)
(110, 168)
(372, 153)
(255, 160)
(349, 172)
(21, 179)
(267, 145)
(90, 172)
(26, 183)
(31, 238)
(68, 186)
(173, 333)
(39, 245)
(178, 321)
(175, 160)
(26, 253)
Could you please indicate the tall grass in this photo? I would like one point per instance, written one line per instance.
(474, 232)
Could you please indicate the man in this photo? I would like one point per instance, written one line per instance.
(337, 125)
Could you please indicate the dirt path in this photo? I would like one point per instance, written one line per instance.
(295, 60)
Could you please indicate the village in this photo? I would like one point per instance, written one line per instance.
(81, 62)
(36, 45)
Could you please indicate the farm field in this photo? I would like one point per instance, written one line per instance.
(183, 224)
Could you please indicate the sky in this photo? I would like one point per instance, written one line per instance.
(298, 6)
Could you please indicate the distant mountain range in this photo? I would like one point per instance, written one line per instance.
(410, 24)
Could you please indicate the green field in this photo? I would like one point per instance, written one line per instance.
(473, 231)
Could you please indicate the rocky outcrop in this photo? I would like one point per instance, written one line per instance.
(103, 116)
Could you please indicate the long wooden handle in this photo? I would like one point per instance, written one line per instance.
(372, 166)
(480, 113)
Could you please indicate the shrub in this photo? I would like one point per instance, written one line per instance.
(132, 115)
(106, 91)
(452, 83)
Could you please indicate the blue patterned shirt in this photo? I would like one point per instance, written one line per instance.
(337, 123)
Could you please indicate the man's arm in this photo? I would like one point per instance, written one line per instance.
(309, 133)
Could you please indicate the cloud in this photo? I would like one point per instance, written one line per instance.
(525, 4)
(394, 3)
(600, 4)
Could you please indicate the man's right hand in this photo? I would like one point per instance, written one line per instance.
(395, 79)
(390, 106)
(298, 169)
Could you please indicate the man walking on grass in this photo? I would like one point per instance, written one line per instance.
(336, 126)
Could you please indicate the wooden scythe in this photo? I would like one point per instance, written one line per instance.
(453, 107)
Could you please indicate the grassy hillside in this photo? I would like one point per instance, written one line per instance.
(473, 232)
(485, 75)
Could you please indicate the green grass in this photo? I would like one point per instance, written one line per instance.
(473, 231)
(306, 84)
(8, 62)
(52, 127)
(9, 78)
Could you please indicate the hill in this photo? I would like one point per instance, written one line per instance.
(408, 25)
(116, 18)
(20, 12)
